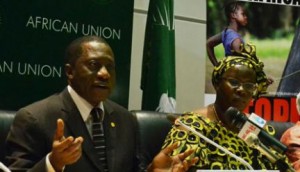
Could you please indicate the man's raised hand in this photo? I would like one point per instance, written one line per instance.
(65, 151)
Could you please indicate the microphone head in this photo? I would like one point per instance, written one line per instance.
(232, 112)
(236, 118)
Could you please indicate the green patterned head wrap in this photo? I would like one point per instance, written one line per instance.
(246, 57)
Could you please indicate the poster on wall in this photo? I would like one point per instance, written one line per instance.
(33, 38)
(273, 27)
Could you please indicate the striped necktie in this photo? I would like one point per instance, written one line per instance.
(98, 136)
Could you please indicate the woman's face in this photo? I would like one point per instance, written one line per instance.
(236, 87)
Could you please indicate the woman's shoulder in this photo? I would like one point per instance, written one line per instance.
(206, 112)
(229, 30)
(201, 112)
(190, 117)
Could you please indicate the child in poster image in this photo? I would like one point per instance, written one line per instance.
(231, 39)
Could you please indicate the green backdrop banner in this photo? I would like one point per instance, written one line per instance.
(35, 33)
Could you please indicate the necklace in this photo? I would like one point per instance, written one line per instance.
(216, 114)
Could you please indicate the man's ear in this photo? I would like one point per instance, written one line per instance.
(69, 71)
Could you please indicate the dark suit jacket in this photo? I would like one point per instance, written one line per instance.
(32, 132)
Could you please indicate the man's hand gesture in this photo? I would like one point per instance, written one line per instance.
(65, 151)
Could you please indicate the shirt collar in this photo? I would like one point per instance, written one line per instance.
(83, 106)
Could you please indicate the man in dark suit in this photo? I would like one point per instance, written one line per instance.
(55, 134)
(49, 134)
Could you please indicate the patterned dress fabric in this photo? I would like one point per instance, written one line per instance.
(211, 157)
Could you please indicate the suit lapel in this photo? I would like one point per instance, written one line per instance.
(76, 126)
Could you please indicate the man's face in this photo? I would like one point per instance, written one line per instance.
(93, 74)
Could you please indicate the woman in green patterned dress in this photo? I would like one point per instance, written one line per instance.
(237, 79)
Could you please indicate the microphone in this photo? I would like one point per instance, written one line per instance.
(253, 141)
(254, 124)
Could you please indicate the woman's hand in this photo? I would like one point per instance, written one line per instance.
(164, 162)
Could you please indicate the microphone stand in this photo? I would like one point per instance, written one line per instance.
(253, 141)
(276, 159)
